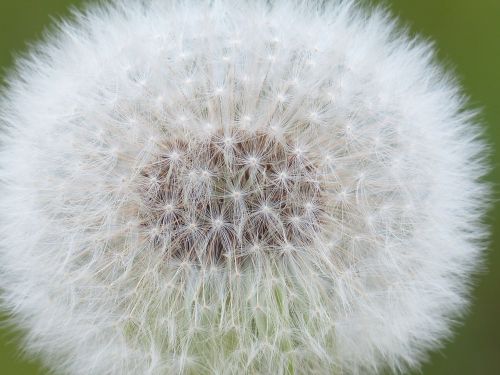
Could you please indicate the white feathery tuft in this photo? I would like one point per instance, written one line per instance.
(236, 187)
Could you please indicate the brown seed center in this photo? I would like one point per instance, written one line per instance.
(231, 195)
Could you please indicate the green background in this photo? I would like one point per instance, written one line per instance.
(467, 35)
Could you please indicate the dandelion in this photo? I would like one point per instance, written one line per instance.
(236, 187)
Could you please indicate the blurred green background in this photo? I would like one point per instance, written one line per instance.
(467, 35)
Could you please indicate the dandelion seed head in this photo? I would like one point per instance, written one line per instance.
(236, 187)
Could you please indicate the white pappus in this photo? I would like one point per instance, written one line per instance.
(229, 187)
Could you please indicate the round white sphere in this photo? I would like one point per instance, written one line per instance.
(230, 187)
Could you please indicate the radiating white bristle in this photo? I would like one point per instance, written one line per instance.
(229, 187)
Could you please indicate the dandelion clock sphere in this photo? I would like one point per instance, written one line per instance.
(233, 187)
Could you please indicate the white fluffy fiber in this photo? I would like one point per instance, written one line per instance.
(233, 187)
